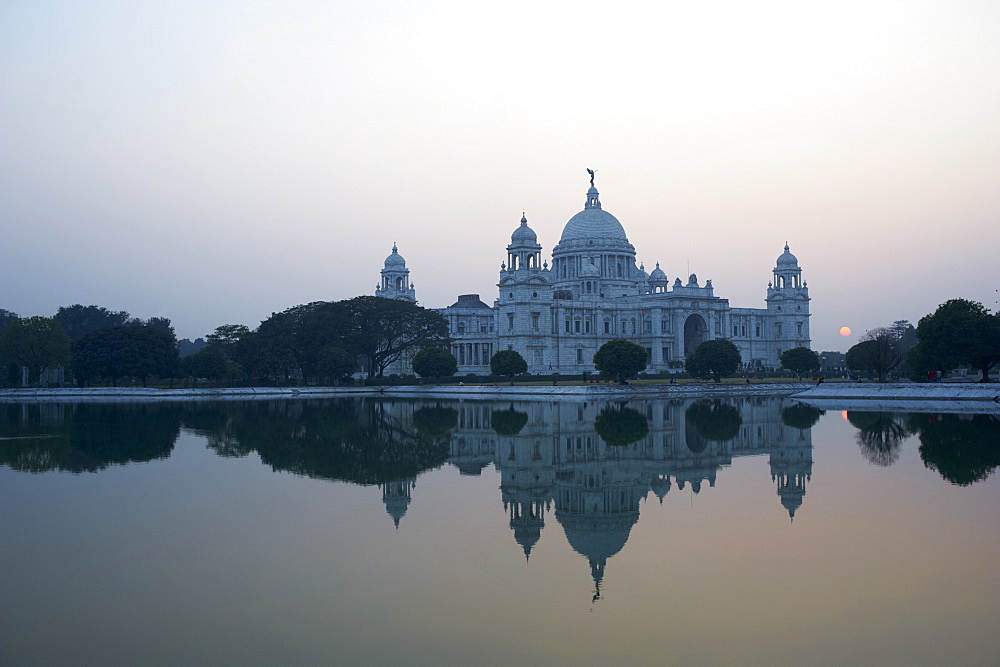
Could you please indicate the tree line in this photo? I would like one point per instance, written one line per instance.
(326, 341)
(315, 342)
(959, 333)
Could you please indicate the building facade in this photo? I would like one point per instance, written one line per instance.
(558, 316)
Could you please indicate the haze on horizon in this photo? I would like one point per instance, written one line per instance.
(217, 162)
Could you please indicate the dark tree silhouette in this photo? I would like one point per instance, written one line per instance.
(713, 358)
(619, 426)
(962, 449)
(714, 420)
(508, 422)
(620, 359)
(879, 435)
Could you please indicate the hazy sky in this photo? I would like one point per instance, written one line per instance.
(216, 162)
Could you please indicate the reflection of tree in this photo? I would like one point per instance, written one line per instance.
(90, 437)
(879, 436)
(29, 442)
(508, 422)
(963, 449)
(435, 422)
(714, 420)
(213, 420)
(619, 426)
(360, 442)
(800, 416)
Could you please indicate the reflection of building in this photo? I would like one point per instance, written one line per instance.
(558, 460)
(552, 462)
(557, 317)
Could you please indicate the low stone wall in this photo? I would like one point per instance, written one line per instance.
(501, 392)
(902, 391)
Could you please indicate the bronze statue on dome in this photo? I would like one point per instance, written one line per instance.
(591, 172)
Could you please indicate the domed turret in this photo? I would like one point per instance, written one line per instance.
(395, 283)
(395, 259)
(524, 251)
(787, 259)
(787, 273)
(658, 280)
(524, 234)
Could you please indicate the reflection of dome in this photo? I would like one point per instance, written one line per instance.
(523, 234)
(527, 537)
(597, 537)
(395, 259)
(787, 258)
(396, 495)
(660, 486)
(593, 223)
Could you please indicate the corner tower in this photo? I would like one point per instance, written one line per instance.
(788, 305)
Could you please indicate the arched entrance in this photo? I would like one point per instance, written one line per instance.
(695, 332)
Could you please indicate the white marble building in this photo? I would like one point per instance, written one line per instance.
(558, 316)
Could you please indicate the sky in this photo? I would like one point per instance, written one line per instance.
(214, 163)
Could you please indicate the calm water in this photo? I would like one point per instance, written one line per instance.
(358, 531)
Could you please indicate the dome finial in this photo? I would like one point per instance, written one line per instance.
(591, 172)
(524, 218)
(394, 249)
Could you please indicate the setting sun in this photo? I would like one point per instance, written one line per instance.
(845, 331)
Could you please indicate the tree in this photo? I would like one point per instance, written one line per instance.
(713, 358)
(620, 359)
(878, 352)
(161, 324)
(133, 350)
(335, 363)
(381, 330)
(35, 343)
(207, 363)
(237, 344)
(435, 362)
(860, 357)
(959, 332)
(386, 328)
(508, 363)
(800, 360)
(78, 321)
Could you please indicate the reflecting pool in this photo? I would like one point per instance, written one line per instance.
(750, 530)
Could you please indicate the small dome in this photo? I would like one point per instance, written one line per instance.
(642, 275)
(658, 274)
(395, 259)
(787, 258)
(524, 234)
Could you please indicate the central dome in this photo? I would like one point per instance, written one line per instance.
(593, 223)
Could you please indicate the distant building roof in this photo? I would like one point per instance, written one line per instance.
(470, 301)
